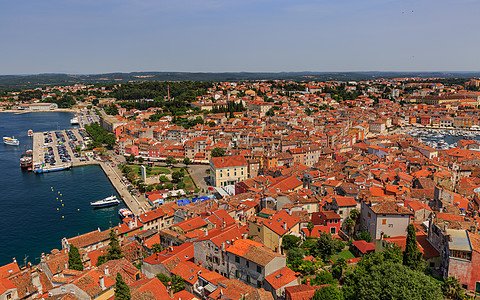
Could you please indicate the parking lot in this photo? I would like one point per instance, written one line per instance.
(62, 147)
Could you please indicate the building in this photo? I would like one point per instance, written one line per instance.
(251, 262)
(385, 218)
(228, 170)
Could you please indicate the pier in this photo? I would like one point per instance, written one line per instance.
(137, 206)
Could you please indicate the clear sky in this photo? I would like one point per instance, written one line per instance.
(100, 36)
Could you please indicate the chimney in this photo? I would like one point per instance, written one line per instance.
(308, 281)
(107, 273)
(290, 211)
(223, 246)
(15, 260)
(200, 263)
(285, 225)
(102, 282)
(206, 232)
(66, 266)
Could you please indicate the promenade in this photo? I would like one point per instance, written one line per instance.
(136, 205)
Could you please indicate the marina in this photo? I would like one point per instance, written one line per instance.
(443, 139)
(33, 218)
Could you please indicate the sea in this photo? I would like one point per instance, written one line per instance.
(38, 210)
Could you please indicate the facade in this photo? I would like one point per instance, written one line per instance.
(385, 218)
(250, 262)
(228, 170)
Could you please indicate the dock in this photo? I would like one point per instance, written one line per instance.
(113, 174)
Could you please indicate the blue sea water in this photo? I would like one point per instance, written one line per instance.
(32, 219)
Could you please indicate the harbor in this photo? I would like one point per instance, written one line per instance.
(59, 150)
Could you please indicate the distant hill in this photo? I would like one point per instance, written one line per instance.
(17, 82)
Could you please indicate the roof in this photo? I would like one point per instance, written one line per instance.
(253, 251)
(9, 269)
(363, 246)
(229, 161)
(301, 292)
(281, 278)
(89, 238)
(390, 208)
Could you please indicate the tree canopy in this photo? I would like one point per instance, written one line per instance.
(122, 291)
(412, 256)
(218, 152)
(74, 259)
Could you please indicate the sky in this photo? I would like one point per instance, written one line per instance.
(103, 36)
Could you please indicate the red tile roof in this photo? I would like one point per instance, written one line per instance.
(281, 278)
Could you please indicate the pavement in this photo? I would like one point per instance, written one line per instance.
(199, 176)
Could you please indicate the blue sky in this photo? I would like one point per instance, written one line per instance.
(100, 36)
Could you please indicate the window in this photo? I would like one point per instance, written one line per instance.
(259, 284)
(432, 265)
(384, 221)
(235, 173)
(247, 263)
(259, 269)
(390, 225)
(369, 215)
(248, 279)
(237, 259)
(333, 230)
(237, 273)
(340, 212)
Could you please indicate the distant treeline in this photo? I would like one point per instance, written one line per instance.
(182, 91)
(21, 82)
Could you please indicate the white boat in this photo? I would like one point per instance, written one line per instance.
(11, 141)
(124, 213)
(74, 121)
(30, 133)
(109, 201)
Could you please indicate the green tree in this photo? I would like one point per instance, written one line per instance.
(169, 186)
(218, 152)
(74, 259)
(178, 283)
(394, 281)
(338, 267)
(114, 251)
(187, 161)
(122, 291)
(327, 246)
(354, 215)
(452, 290)
(140, 160)
(323, 277)
(328, 292)
(349, 225)
(164, 279)
(364, 235)
(170, 161)
(130, 158)
(177, 176)
(163, 178)
(157, 248)
(412, 256)
(181, 185)
(270, 112)
(290, 242)
(310, 227)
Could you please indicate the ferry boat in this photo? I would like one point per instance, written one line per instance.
(125, 213)
(30, 133)
(11, 141)
(74, 121)
(109, 201)
(26, 160)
